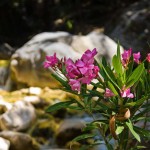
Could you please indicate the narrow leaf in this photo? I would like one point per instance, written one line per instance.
(135, 76)
(83, 136)
(117, 65)
(141, 101)
(118, 50)
(112, 88)
(119, 129)
(142, 132)
(58, 106)
(110, 76)
(130, 126)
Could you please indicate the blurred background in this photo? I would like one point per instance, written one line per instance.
(31, 29)
(21, 19)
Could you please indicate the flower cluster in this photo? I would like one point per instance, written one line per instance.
(51, 61)
(124, 93)
(148, 57)
(121, 89)
(82, 71)
(126, 57)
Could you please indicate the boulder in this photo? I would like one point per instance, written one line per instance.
(27, 62)
(6, 51)
(105, 46)
(19, 117)
(19, 141)
(4, 73)
(133, 27)
(69, 129)
(4, 144)
(5, 105)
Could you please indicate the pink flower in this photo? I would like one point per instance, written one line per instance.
(75, 84)
(126, 56)
(95, 71)
(51, 61)
(136, 57)
(126, 93)
(72, 70)
(148, 57)
(83, 71)
(88, 56)
(108, 93)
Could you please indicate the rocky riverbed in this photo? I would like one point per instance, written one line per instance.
(27, 89)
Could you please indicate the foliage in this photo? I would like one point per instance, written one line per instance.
(120, 93)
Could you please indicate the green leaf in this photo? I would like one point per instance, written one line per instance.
(111, 76)
(130, 67)
(63, 82)
(140, 147)
(138, 102)
(146, 119)
(118, 51)
(102, 105)
(90, 127)
(82, 137)
(119, 129)
(112, 88)
(102, 72)
(130, 104)
(141, 113)
(75, 107)
(141, 101)
(135, 76)
(117, 65)
(104, 62)
(99, 122)
(69, 24)
(130, 126)
(142, 132)
(94, 93)
(58, 106)
(116, 61)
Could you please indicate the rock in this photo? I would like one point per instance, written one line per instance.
(32, 99)
(69, 129)
(19, 141)
(133, 28)
(27, 62)
(44, 130)
(4, 73)
(6, 51)
(52, 95)
(106, 46)
(19, 117)
(35, 90)
(5, 104)
(4, 144)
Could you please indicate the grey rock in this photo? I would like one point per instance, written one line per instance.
(69, 129)
(27, 62)
(4, 144)
(19, 141)
(105, 46)
(4, 104)
(19, 117)
(133, 27)
(6, 51)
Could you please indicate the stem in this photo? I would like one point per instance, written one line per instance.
(101, 132)
(122, 144)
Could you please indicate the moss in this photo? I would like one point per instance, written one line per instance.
(4, 63)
